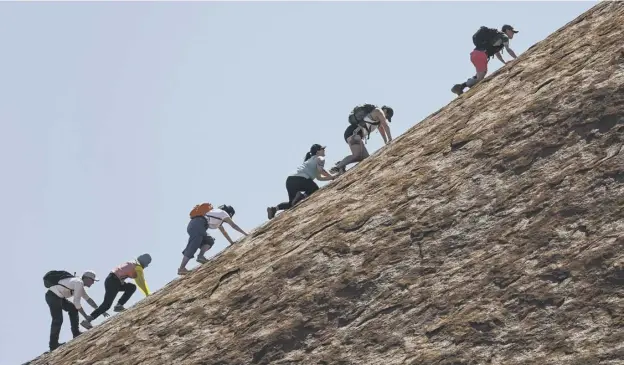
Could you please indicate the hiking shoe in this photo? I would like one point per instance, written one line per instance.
(86, 324)
(54, 347)
(183, 271)
(338, 170)
(77, 334)
(201, 259)
(271, 212)
(119, 308)
(458, 89)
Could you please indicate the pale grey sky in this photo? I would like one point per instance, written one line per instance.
(118, 117)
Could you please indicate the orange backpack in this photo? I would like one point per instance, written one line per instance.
(200, 209)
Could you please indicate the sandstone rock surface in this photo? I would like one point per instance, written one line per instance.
(490, 233)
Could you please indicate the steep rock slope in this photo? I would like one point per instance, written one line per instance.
(490, 233)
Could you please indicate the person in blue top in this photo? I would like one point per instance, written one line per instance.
(302, 181)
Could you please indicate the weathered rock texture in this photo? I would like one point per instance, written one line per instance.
(490, 233)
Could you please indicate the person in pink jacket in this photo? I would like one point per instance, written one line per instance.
(115, 282)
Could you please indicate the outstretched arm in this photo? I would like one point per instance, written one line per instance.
(140, 280)
(384, 128)
(92, 303)
(500, 58)
(235, 226)
(510, 51)
(321, 173)
(94, 306)
(325, 176)
(226, 235)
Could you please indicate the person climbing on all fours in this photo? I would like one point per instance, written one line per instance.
(62, 285)
(301, 183)
(488, 42)
(115, 282)
(204, 216)
(364, 120)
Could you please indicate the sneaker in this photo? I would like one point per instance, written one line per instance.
(119, 308)
(338, 170)
(54, 347)
(271, 212)
(183, 271)
(201, 259)
(457, 89)
(86, 324)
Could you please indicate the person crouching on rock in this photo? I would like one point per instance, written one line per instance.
(62, 285)
(364, 120)
(115, 282)
(302, 181)
(204, 217)
(488, 42)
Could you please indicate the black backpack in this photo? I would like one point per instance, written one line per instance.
(359, 113)
(53, 277)
(484, 39)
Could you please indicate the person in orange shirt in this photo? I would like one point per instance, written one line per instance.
(115, 282)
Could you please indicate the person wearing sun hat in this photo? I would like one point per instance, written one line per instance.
(300, 184)
(65, 286)
(115, 282)
(489, 42)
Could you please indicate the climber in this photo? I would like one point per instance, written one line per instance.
(62, 285)
(115, 282)
(301, 183)
(364, 120)
(488, 42)
(203, 216)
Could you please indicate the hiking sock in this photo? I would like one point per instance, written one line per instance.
(471, 82)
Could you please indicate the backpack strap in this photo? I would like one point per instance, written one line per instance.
(210, 216)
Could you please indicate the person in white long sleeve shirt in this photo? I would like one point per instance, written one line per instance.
(56, 297)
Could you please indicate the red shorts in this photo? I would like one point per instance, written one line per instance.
(480, 60)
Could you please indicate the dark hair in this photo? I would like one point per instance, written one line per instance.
(228, 209)
(388, 112)
(313, 151)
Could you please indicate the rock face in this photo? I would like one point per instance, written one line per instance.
(490, 233)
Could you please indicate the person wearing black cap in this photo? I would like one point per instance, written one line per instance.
(199, 239)
(488, 42)
(364, 120)
(302, 181)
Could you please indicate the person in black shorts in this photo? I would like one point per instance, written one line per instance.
(355, 134)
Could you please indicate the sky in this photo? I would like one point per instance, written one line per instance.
(117, 118)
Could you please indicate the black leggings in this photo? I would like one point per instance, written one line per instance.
(295, 184)
(113, 286)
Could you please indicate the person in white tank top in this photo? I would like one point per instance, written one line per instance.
(355, 135)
